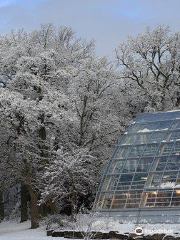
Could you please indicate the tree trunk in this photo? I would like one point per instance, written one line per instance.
(24, 212)
(1, 205)
(53, 209)
(44, 210)
(34, 208)
(163, 100)
(74, 203)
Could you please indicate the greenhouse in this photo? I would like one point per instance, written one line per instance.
(142, 178)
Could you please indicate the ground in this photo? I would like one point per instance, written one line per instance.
(12, 230)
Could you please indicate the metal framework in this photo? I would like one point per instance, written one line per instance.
(144, 170)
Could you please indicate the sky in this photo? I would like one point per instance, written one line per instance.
(108, 22)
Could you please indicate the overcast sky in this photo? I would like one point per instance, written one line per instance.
(109, 22)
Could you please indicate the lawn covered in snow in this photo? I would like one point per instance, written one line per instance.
(11, 230)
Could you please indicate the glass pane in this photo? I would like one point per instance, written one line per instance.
(111, 167)
(119, 166)
(169, 180)
(157, 116)
(126, 178)
(139, 180)
(136, 127)
(158, 136)
(100, 201)
(176, 124)
(173, 163)
(122, 152)
(178, 181)
(176, 148)
(130, 165)
(136, 151)
(124, 181)
(176, 198)
(116, 166)
(143, 127)
(119, 200)
(163, 198)
(140, 177)
(146, 117)
(172, 136)
(106, 183)
(137, 186)
(144, 164)
(106, 200)
(133, 205)
(164, 125)
(113, 182)
(150, 150)
(159, 164)
(134, 198)
(155, 179)
(134, 194)
(141, 138)
(127, 139)
(165, 149)
(150, 198)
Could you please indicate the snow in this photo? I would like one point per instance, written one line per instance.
(145, 130)
(148, 130)
(163, 129)
(173, 110)
(168, 185)
(11, 230)
(111, 224)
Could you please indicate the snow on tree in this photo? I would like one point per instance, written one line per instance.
(70, 176)
(56, 97)
(151, 61)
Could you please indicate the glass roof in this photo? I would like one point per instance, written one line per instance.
(144, 170)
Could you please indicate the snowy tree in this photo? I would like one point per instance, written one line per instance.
(70, 176)
(56, 96)
(31, 135)
(62, 111)
(151, 61)
(90, 92)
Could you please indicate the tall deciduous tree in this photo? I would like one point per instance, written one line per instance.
(56, 95)
(151, 61)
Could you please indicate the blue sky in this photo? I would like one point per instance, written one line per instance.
(109, 22)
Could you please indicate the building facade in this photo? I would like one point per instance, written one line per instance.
(142, 179)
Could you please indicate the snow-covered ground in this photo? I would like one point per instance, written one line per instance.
(129, 227)
(11, 230)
